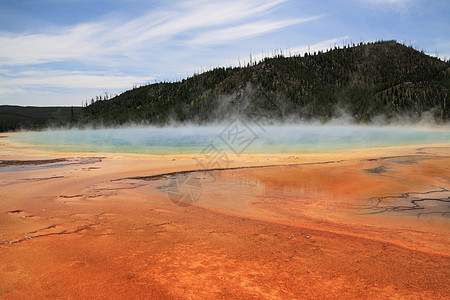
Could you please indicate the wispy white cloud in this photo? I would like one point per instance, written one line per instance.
(161, 38)
(222, 36)
(67, 79)
(42, 48)
(90, 41)
(172, 39)
(62, 87)
(10, 91)
(47, 97)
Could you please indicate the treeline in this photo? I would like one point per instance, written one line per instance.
(365, 81)
(14, 118)
(101, 97)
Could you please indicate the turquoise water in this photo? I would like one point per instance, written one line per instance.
(235, 137)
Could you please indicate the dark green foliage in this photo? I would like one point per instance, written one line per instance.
(368, 80)
(17, 117)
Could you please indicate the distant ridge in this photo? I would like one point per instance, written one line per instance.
(13, 117)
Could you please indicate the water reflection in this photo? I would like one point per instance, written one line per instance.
(239, 191)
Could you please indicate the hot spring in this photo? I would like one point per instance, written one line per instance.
(237, 137)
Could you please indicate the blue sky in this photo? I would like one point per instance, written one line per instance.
(63, 52)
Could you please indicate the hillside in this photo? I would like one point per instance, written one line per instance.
(364, 81)
(383, 81)
(14, 118)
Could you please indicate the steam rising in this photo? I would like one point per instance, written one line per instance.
(274, 138)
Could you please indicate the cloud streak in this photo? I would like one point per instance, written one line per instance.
(248, 30)
(67, 79)
(90, 41)
(116, 52)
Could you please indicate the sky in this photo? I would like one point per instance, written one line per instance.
(64, 52)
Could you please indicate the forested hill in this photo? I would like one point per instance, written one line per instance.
(365, 81)
(382, 80)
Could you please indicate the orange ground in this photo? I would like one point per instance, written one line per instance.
(305, 231)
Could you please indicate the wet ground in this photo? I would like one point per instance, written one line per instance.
(362, 225)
